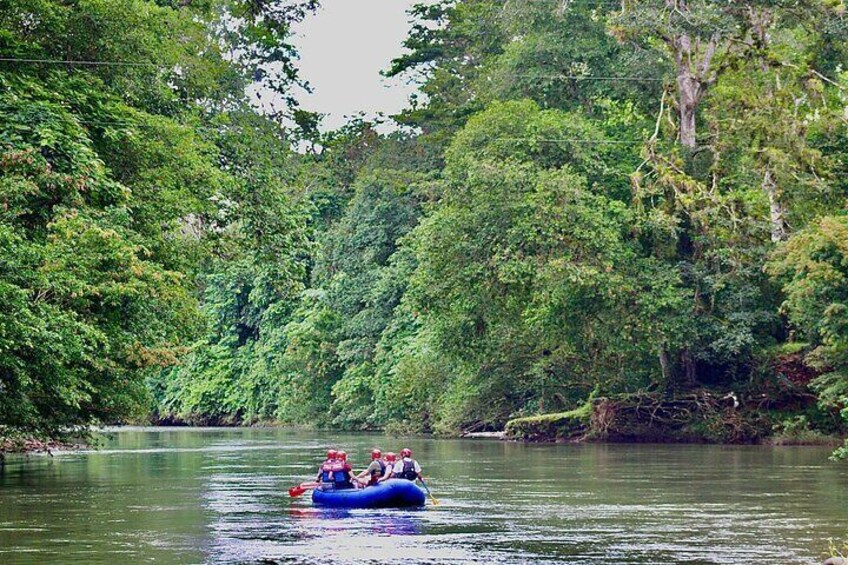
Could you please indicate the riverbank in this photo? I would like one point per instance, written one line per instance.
(13, 441)
(697, 417)
(32, 445)
(791, 417)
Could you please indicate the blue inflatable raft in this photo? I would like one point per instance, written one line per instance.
(394, 493)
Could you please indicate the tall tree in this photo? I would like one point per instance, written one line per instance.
(693, 34)
(117, 188)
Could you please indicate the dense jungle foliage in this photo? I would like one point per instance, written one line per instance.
(584, 198)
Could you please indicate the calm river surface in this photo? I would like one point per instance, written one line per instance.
(219, 496)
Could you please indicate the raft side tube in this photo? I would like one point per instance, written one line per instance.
(394, 493)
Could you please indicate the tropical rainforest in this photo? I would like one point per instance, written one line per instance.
(630, 203)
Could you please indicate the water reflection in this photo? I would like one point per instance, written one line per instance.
(388, 522)
(249, 531)
(220, 496)
(316, 513)
(377, 522)
(398, 525)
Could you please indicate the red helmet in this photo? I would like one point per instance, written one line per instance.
(406, 452)
(342, 455)
(331, 454)
(391, 456)
(376, 454)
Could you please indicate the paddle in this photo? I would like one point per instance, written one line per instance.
(430, 494)
(294, 492)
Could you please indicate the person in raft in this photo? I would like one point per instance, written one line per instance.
(391, 458)
(335, 472)
(342, 475)
(407, 468)
(375, 470)
(325, 471)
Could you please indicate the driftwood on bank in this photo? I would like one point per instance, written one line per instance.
(695, 417)
(699, 416)
(32, 445)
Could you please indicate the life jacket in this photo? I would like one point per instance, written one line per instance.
(408, 472)
(341, 475)
(375, 475)
(327, 471)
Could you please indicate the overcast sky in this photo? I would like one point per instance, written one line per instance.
(343, 48)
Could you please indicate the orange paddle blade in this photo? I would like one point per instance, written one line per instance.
(294, 492)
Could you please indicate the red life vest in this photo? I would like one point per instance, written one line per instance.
(341, 475)
(327, 471)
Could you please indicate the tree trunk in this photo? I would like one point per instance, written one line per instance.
(689, 372)
(688, 102)
(683, 375)
(693, 60)
(665, 366)
(776, 210)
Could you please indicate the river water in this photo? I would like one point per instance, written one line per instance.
(183, 495)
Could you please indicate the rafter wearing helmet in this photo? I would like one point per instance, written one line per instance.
(407, 467)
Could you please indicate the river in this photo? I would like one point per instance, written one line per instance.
(180, 495)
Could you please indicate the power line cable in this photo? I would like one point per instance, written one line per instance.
(86, 63)
(609, 78)
(576, 140)
(586, 141)
(501, 139)
(223, 128)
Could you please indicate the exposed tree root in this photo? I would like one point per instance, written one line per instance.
(699, 416)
